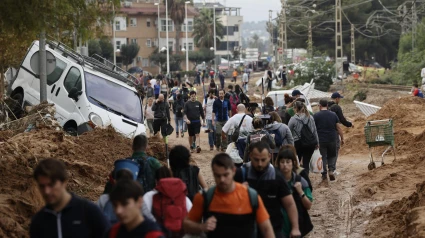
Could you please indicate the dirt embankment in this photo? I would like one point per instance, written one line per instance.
(404, 216)
(89, 159)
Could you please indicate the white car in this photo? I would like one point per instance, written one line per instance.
(278, 98)
(85, 91)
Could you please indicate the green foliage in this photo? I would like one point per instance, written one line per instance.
(203, 29)
(94, 48)
(129, 52)
(318, 69)
(176, 9)
(202, 55)
(188, 73)
(107, 48)
(160, 58)
(361, 95)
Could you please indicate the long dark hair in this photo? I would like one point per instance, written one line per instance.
(238, 89)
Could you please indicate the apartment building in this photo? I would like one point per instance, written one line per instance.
(137, 22)
(232, 21)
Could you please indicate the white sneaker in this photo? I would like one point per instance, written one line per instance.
(336, 173)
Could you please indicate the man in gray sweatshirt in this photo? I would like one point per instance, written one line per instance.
(193, 111)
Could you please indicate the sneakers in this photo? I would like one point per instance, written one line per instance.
(182, 134)
(331, 176)
(198, 149)
(211, 148)
(177, 135)
(218, 148)
(324, 177)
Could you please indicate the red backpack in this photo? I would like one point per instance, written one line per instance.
(169, 205)
(234, 101)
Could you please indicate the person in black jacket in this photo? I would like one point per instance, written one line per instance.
(178, 107)
(333, 106)
(65, 214)
(193, 111)
(161, 116)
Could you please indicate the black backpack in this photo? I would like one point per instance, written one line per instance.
(306, 136)
(178, 108)
(304, 221)
(189, 176)
(149, 92)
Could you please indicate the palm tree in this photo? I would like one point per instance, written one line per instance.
(176, 10)
(255, 41)
(203, 29)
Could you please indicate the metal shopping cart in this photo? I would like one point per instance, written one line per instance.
(379, 133)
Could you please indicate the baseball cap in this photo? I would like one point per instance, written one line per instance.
(296, 92)
(336, 95)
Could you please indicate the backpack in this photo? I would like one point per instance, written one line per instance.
(113, 233)
(420, 94)
(149, 92)
(281, 111)
(108, 211)
(278, 138)
(185, 94)
(243, 98)
(146, 176)
(189, 176)
(304, 221)
(234, 101)
(173, 93)
(208, 197)
(306, 136)
(178, 109)
(169, 206)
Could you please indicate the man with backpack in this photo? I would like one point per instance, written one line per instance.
(193, 111)
(233, 99)
(228, 209)
(161, 116)
(327, 124)
(65, 214)
(271, 185)
(220, 115)
(127, 199)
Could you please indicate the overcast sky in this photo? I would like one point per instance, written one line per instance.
(255, 10)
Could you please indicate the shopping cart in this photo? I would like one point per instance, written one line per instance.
(379, 133)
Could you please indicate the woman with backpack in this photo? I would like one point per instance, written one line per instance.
(259, 134)
(242, 96)
(190, 174)
(304, 131)
(287, 163)
(178, 107)
(281, 132)
(158, 201)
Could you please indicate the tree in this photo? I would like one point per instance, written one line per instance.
(176, 9)
(129, 52)
(159, 58)
(107, 48)
(94, 48)
(203, 29)
(202, 55)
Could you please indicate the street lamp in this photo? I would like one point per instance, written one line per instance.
(166, 33)
(159, 36)
(240, 40)
(215, 46)
(163, 49)
(187, 44)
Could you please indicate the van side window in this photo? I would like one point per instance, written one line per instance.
(56, 74)
(73, 80)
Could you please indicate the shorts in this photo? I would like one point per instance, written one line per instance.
(194, 128)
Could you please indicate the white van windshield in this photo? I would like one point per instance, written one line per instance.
(113, 97)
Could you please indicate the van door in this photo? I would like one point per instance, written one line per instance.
(52, 79)
(65, 106)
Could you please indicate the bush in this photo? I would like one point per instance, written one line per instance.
(361, 95)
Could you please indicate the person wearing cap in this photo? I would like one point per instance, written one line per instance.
(290, 112)
(333, 106)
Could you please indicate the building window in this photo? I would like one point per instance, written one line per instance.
(145, 62)
(149, 43)
(117, 26)
(118, 45)
(133, 41)
(148, 22)
(170, 46)
(189, 26)
(190, 46)
(164, 27)
(133, 21)
(138, 59)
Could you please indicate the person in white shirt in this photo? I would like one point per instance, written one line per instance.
(245, 80)
(246, 127)
(423, 79)
(207, 104)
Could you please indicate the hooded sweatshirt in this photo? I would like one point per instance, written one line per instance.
(284, 131)
(296, 125)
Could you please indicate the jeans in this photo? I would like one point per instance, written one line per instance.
(218, 140)
(328, 151)
(149, 123)
(222, 83)
(179, 124)
(304, 153)
(211, 133)
(241, 145)
(338, 146)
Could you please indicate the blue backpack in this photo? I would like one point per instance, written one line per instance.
(173, 93)
(420, 94)
(278, 138)
(109, 213)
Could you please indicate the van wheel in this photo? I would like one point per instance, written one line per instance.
(71, 131)
(16, 105)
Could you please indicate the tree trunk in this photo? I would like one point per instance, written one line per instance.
(178, 31)
(1, 83)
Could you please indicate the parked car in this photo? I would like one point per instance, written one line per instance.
(86, 93)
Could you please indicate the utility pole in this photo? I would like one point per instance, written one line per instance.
(338, 38)
(353, 46)
(404, 26)
(43, 67)
(414, 25)
(271, 32)
(283, 31)
(310, 41)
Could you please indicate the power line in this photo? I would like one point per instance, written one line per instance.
(362, 27)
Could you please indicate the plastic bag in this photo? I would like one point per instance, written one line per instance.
(316, 163)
